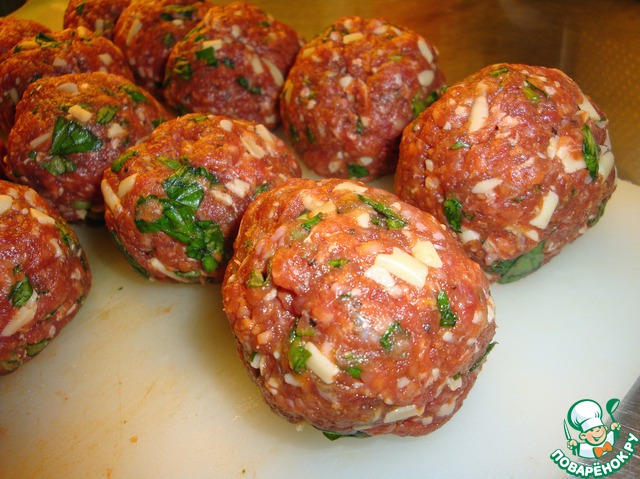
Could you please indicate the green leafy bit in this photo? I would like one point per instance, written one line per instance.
(311, 222)
(359, 127)
(514, 269)
(392, 219)
(337, 263)
(459, 144)
(294, 136)
(298, 354)
(204, 239)
(256, 279)
(244, 83)
(419, 104)
(70, 137)
(80, 8)
(33, 349)
(479, 362)
(208, 56)
(448, 318)
(453, 212)
(261, 189)
(169, 162)
(119, 162)
(332, 436)
(499, 71)
(590, 152)
(310, 136)
(182, 68)
(174, 12)
(20, 293)
(228, 62)
(106, 114)
(168, 40)
(134, 93)
(46, 41)
(392, 335)
(59, 165)
(592, 221)
(130, 259)
(156, 122)
(533, 93)
(356, 171)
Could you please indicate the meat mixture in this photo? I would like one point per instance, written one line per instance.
(69, 128)
(97, 15)
(354, 311)
(44, 278)
(516, 160)
(174, 202)
(13, 30)
(351, 92)
(53, 54)
(232, 63)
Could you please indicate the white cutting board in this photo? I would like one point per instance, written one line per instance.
(145, 382)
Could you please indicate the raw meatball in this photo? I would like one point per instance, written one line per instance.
(174, 202)
(44, 278)
(516, 160)
(98, 15)
(13, 29)
(45, 55)
(146, 32)
(354, 311)
(68, 129)
(232, 63)
(351, 92)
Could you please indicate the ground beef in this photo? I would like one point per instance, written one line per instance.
(175, 201)
(354, 311)
(516, 160)
(146, 32)
(45, 55)
(44, 277)
(351, 92)
(13, 29)
(97, 15)
(232, 63)
(68, 129)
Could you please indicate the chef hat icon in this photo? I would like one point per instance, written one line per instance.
(584, 415)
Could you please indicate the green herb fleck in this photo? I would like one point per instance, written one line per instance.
(533, 93)
(256, 279)
(134, 93)
(208, 55)
(168, 40)
(392, 220)
(453, 212)
(592, 221)
(59, 165)
(244, 83)
(590, 152)
(310, 136)
(354, 372)
(261, 189)
(392, 335)
(46, 41)
(20, 293)
(80, 8)
(119, 162)
(182, 68)
(514, 269)
(311, 222)
(419, 104)
(70, 137)
(228, 62)
(294, 136)
(359, 127)
(483, 357)
(332, 436)
(298, 354)
(156, 122)
(499, 71)
(106, 114)
(130, 259)
(459, 144)
(356, 171)
(33, 349)
(448, 318)
(337, 263)
(173, 12)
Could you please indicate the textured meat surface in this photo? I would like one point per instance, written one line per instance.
(146, 32)
(97, 15)
(516, 159)
(13, 29)
(66, 51)
(69, 128)
(44, 278)
(175, 201)
(232, 63)
(351, 92)
(355, 312)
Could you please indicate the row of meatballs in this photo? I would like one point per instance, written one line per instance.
(358, 311)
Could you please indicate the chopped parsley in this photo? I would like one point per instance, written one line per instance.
(134, 93)
(244, 83)
(356, 171)
(448, 318)
(182, 68)
(453, 212)
(298, 354)
(533, 93)
(392, 335)
(20, 293)
(208, 56)
(459, 144)
(106, 114)
(119, 162)
(419, 104)
(59, 165)
(590, 152)
(337, 263)
(392, 220)
(70, 137)
(514, 269)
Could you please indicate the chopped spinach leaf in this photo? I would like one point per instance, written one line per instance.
(311, 222)
(35, 348)
(134, 93)
(182, 68)
(337, 263)
(590, 152)
(448, 318)
(356, 171)
(70, 137)
(46, 41)
(392, 335)
(459, 144)
(298, 354)
(483, 357)
(244, 83)
(514, 269)
(453, 212)
(533, 93)
(499, 71)
(130, 259)
(332, 436)
(59, 165)
(20, 293)
(310, 136)
(208, 56)
(392, 220)
(106, 114)
(119, 162)
(419, 104)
